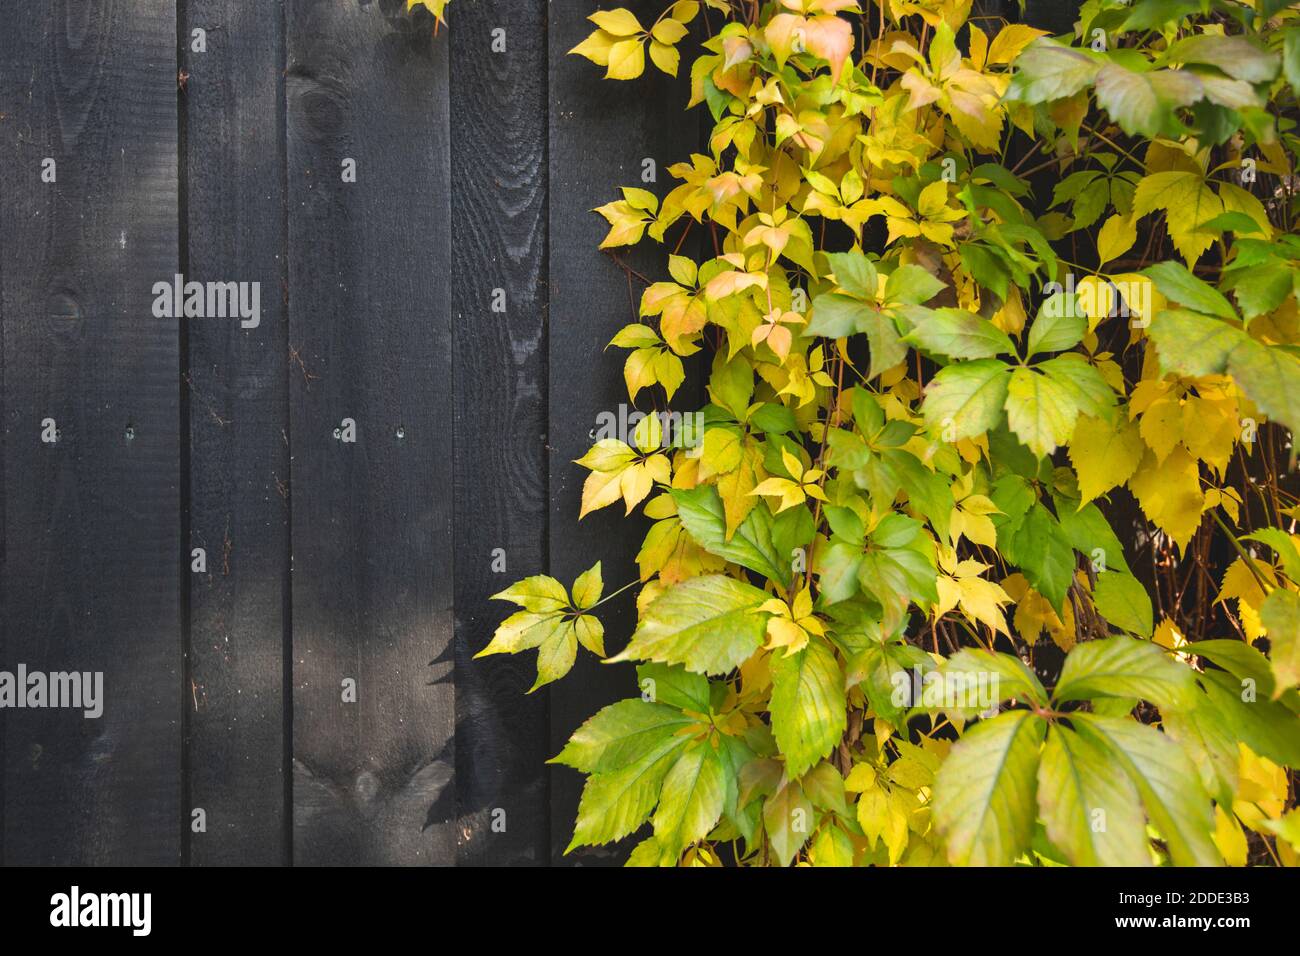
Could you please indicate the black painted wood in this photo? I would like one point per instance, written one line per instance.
(92, 530)
(370, 343)
(498, 134)
(601, 131)
(237, 388)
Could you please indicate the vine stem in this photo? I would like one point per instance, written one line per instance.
(610, 597)
(1245, 555)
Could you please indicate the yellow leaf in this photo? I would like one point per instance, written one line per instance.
(1236, 199)
(668, 31)
(1168, 636)
(1188, 204)
(830, 38)
(790, 492)
(979, 47)
(1239, 584)
(639, 370)
(1035, 614)
(1117, 236)
(601, 488)
(861, 778)
(664, 56)
(596, 47)
(982, 600)
(1104, 455)
(783, 632)
(1229, 837)
(621, 23)
(1010, 41)
(1170, 494)
(792, 464)
(735, 487)
(873, 813)
(1261, 790)
(626, 60)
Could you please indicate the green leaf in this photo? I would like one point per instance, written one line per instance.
(1046, 70)
(836, 316)
(966, 399)
(1266, 727)
(710, 624)
(788, 819)
(691, 799)
(675, 686)
(825, 788)
(929, 492)
(897, 577)
(731, 383)
(587, 589)
(987, 266)
(1042, 551)
(522, 631)
(854, 273)
(912, 285)
(1124, 667)
(1090, 533)
(1171, 790)
(1204, 732)
(837, 567)
(983, 799)
(1263, 288)
(615, 804)
(705, 519)
(1241, 660)
(1143, 103)
(1124, 602)
(1156, 13)
(1195, 345)
(1084, 383)
(956, 333)
(1192, 344)
(1040, 410)
(1270, 377)
(886, 345)
(538, 593)
(555, 655)
(1090, 808)
(1291, 56)
(1280, 615)
(1234, 55)
(619, 734)
(1013, 679)
(808, 707)
(1059, 325)
(832, 847)
(1176, 283)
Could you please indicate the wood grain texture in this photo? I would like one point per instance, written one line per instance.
(370, 335)
(498, 131)
(600, 132)
(239, 440)
(91, 560)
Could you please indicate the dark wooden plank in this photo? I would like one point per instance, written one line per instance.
(370, 337)
(1055, 16)
(233, 140)
(92, 550)
(600, 132)
(498, 116)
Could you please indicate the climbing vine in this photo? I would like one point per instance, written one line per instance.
(983, 549)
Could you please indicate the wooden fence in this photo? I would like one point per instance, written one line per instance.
(183, 508)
